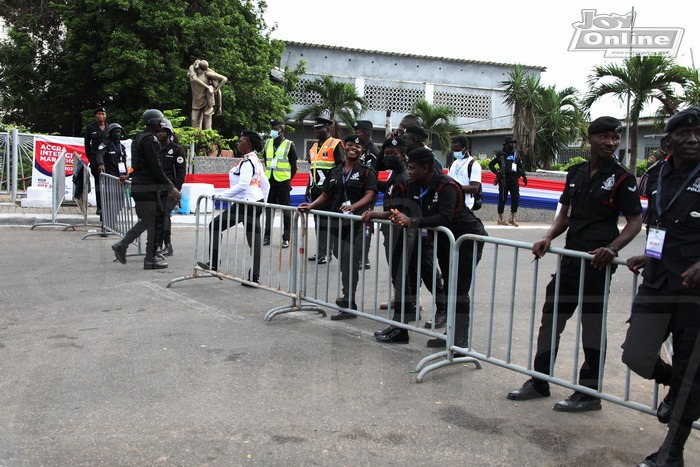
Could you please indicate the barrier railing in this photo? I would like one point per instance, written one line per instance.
(5, 158)
(226, 247)
(502, 325)
(506, 291)
(58, 193)
(117, 208)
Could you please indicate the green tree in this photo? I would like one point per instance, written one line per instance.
(133, 55)
(558, 118)
(644, 79)
(520, 92)
(437, 122)
(339, 101)
(691, 95)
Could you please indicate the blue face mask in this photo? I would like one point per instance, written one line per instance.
(458, 155)
(274, 134)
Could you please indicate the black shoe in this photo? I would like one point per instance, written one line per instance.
(530, 390)
(120, 252)
(342, 315)
(266, 241)
(379, 333)
(312, 258)
(434, 343)
(665, 410)
(364, 265)
(578, 402)
(206, 266)
(343, 302)
(154, 263)
(323, 260)
(285, 243)
(167, 250)
(395, 336)
(254, 284)
(440, 321)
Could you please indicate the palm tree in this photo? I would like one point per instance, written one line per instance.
(691, 96)
(339, 101)
(437, 122)
(520, 92)
(558, 118)
(643, 79)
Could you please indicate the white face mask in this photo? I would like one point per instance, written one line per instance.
(459, 155)
(274, 134)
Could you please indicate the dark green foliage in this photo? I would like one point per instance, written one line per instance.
(130, 55)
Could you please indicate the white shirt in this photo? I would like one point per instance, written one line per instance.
(247, 180)
(459, 170)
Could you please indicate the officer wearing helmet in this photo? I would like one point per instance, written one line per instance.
(174, 163)
(147, 180)
(111, 154)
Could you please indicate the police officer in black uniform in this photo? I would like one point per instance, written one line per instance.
(174, 163)
(95, 134)
(438, 201)
(351, 188)
(110, 157)
(596, 192)
(363, 128)
(147, 180)
(668, 301)
(508, 168)
(397, 199)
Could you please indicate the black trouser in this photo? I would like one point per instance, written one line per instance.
(463, 281)
(147, 211)
(250, 216)
(655, 314)
(345, 247)
(163, 222)
(279, 194)
(591, 319)
(401, 279)
(322, 223)
(426, 271)
(511, 186)
(95, 171)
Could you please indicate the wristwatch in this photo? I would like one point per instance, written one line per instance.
(615, 251)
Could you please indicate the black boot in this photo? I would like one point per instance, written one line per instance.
(154, 262)
(119, 249)
(440, 320)
(670, 454)
(462, 330)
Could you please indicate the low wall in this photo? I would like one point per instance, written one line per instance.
(488, 213)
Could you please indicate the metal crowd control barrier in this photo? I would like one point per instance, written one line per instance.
(502, 325)
(5, 166)
(278, 266)
(84, 182)
(58, 193)
(117, 208)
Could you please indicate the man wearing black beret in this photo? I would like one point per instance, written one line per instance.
(95, 134)
(438, 201)
(594, 195)
(668, 300)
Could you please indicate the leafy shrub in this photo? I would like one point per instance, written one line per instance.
(573, 161)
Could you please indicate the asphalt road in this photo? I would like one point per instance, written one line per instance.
(104, 365)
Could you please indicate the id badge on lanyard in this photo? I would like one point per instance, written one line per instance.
(273, 163)
(655, 242)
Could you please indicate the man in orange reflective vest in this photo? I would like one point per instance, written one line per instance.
(325, 154)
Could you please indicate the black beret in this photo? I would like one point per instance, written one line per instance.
(354, 139)
(683, 119)
(320, 121)
(253, 137)
(276, 122)
(394, 142)
(510, 139)
(421, 156)
(604, 124)
(99, 109)
(362, 125)
(416, 131)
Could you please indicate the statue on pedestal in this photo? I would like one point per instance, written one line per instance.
(205, 84)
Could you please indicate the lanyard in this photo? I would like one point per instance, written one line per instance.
(345, 182)
(423, 192)
(661, 212)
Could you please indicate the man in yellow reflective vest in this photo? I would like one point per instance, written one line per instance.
(280, 168)
(325, 154)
